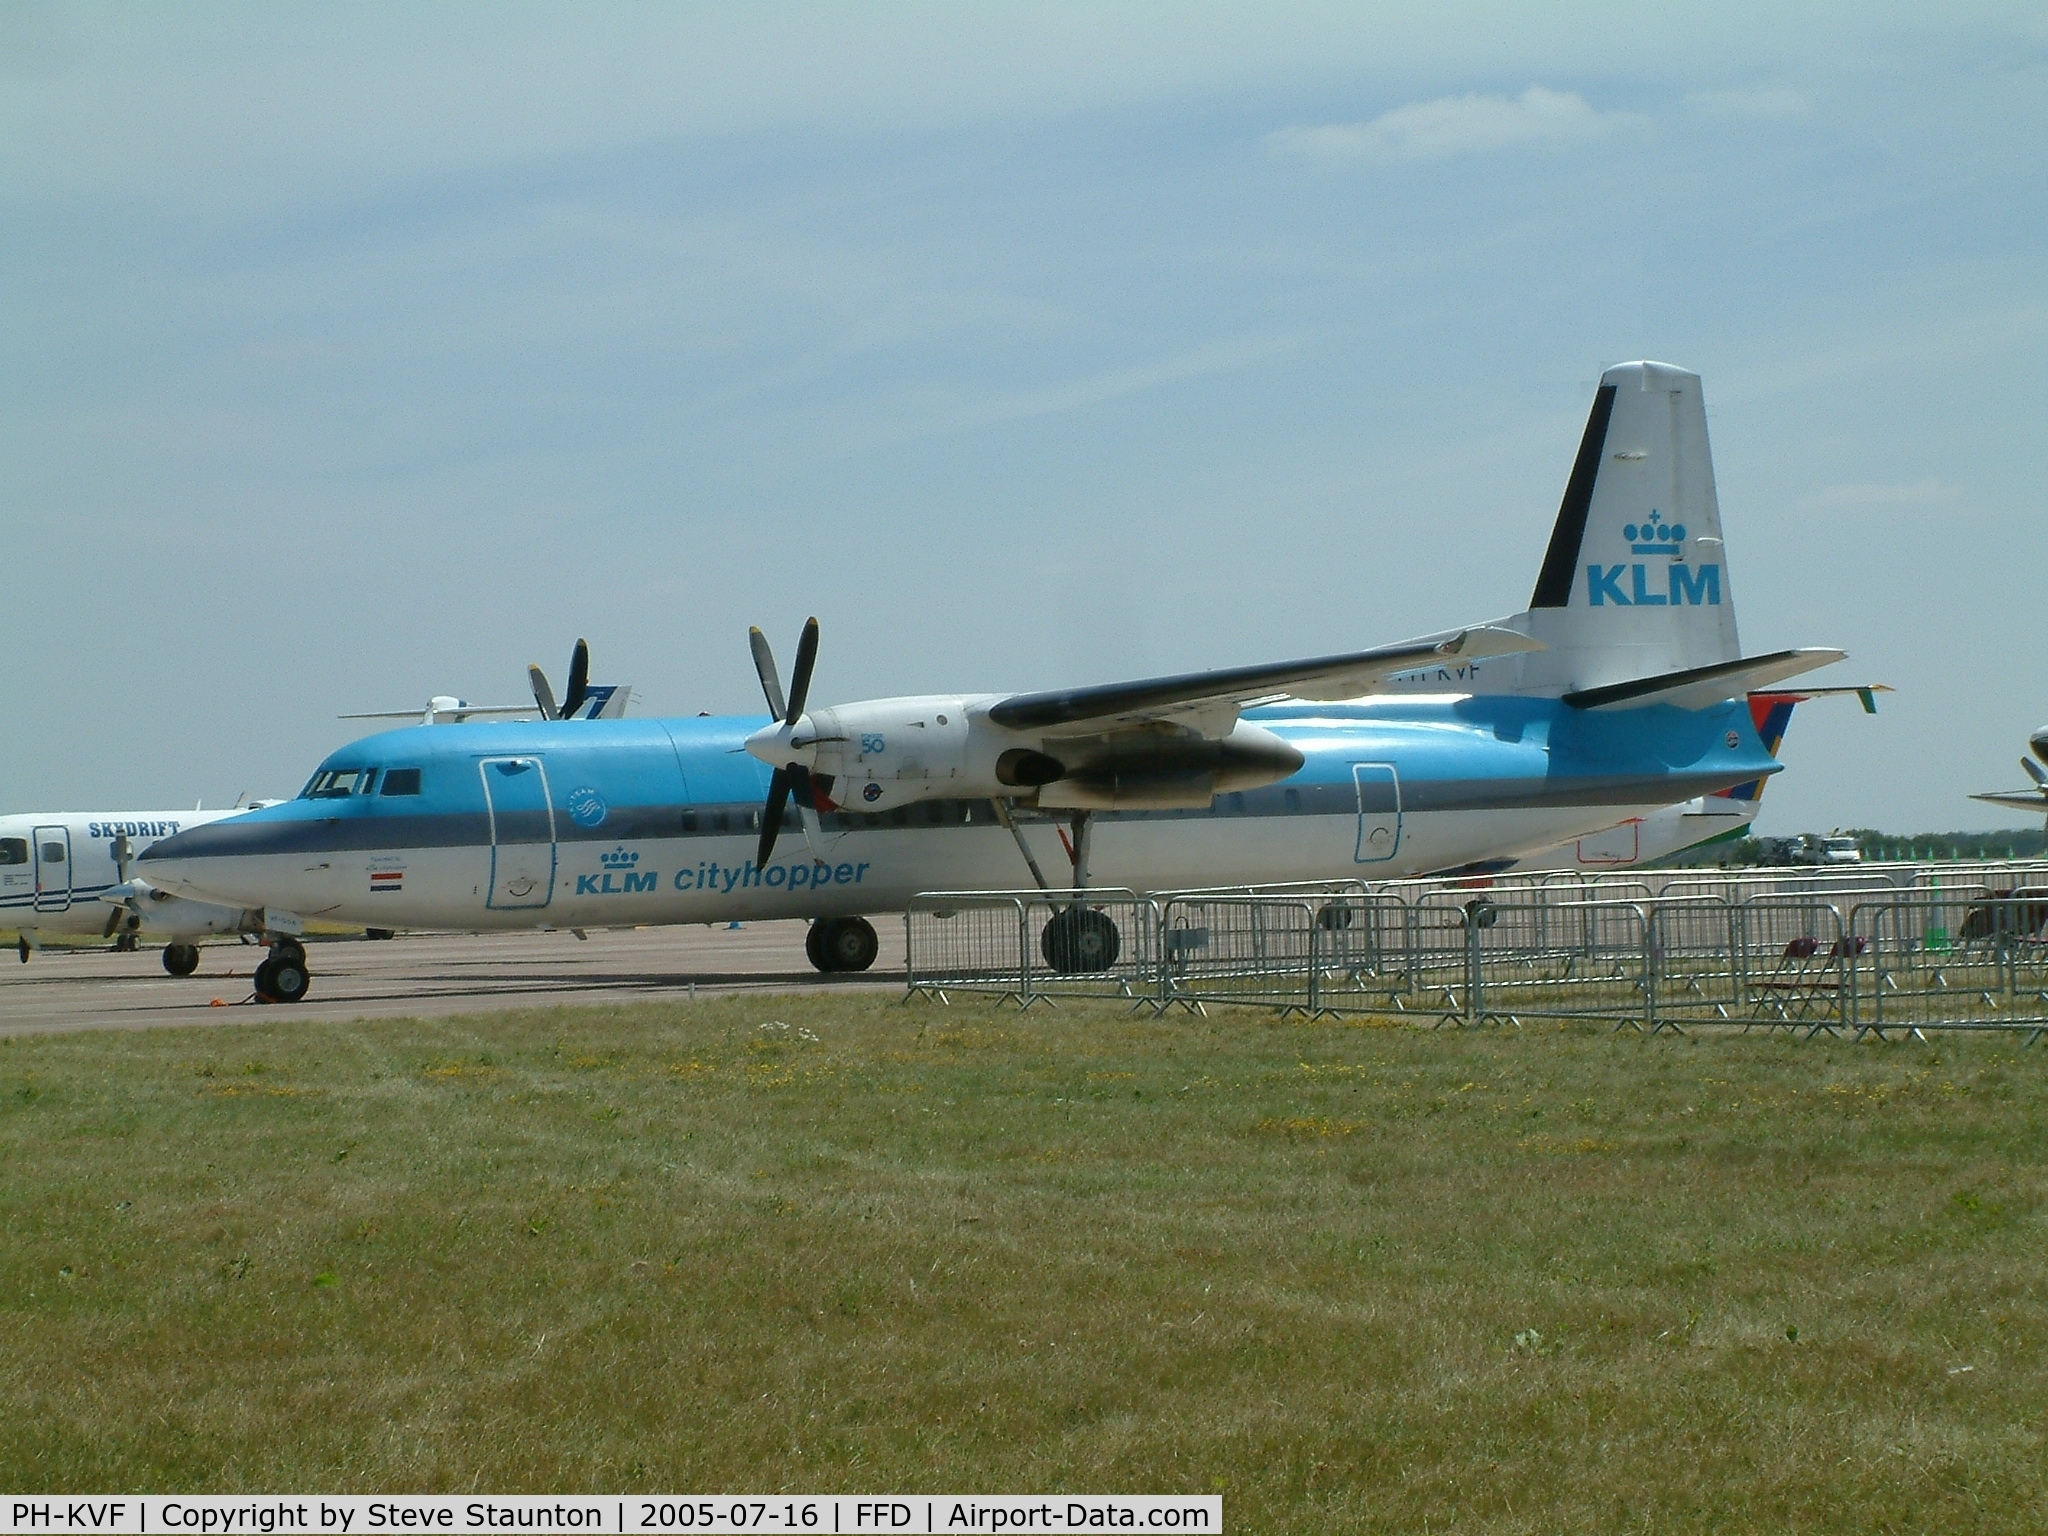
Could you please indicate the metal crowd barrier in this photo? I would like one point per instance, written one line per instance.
(1876, 953)
(1035, 946)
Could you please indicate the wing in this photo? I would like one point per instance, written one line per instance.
(451, 709)
(1324, 677)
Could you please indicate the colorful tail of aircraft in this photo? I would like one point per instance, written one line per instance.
(1634, 603)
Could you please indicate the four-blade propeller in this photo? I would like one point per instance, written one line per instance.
(579, 686)
(792, 773)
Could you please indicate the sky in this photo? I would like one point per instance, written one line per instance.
(353, 354)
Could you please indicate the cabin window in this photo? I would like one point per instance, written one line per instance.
(53, 853)
(13, 850)
(402, 781)
(689, 821)
(721, 821)
(339, 783)
(1293, 801)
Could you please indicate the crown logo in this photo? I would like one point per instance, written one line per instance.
(1655, 537)
(619, 858)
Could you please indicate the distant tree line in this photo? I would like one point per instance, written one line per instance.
(1879, 847)
(1949, 845)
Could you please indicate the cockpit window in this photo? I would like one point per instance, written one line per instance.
(401, 781)
(339, 783)
(13, 850)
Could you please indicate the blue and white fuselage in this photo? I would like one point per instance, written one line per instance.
(657, 821)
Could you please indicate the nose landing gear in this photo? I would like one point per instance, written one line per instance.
(842, 944)
(283, 978)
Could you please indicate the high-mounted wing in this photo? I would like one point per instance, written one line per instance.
(1319, 678)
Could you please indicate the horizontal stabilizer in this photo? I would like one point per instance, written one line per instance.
(1703, 687)
(1320, 678)
(1866, 693)
(2035, 800)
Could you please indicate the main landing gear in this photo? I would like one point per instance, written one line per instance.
(1078, 940)
(842, 944)
(283, 978)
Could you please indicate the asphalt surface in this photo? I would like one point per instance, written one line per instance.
(415, 975)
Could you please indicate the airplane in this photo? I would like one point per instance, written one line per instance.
(1622, 689)
(2035, 799)
(69, 872)
(584, 699)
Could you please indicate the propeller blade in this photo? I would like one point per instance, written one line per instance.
(764, 664)
(113, 921)
(124, 856)
(543, 695)
(2035, 772)
(800, 683)
(771, 814)
(579, 680)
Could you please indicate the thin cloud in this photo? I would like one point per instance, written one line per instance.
(1781, 102)
(1452, 125)
(1921, 493)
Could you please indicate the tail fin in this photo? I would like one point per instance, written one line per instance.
(1635, 581)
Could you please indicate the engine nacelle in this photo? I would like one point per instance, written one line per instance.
(882, 753)
(181, 917)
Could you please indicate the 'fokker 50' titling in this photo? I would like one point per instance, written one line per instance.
(1621, 690)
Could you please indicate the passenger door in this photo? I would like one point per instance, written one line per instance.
(1379, 811)
(50, 848)
(522, 815)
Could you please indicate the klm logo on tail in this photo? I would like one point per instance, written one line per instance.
(1683, 585)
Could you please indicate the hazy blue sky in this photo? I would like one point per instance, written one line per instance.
(352, 354)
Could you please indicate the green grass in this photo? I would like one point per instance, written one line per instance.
(1354, 1278)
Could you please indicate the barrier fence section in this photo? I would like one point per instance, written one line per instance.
(1956, 960)
(1035, 946)
(1856, 952)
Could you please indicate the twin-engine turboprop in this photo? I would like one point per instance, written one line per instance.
(584, 700)
(1621, 691)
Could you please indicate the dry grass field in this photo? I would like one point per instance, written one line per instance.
(1355, 1278)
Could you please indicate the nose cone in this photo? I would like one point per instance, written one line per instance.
(2039, 742)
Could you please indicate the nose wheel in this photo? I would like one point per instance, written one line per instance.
(283, 978)
(842, 944)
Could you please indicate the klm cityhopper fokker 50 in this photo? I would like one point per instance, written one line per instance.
(1620, 691)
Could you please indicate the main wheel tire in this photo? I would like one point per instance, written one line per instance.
(23, 947)
(181, 959)
(289, 949)
(281, 979)
(125, 944)
(813, 950)
(849, 944)
(1080, 941)
(377, 933)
